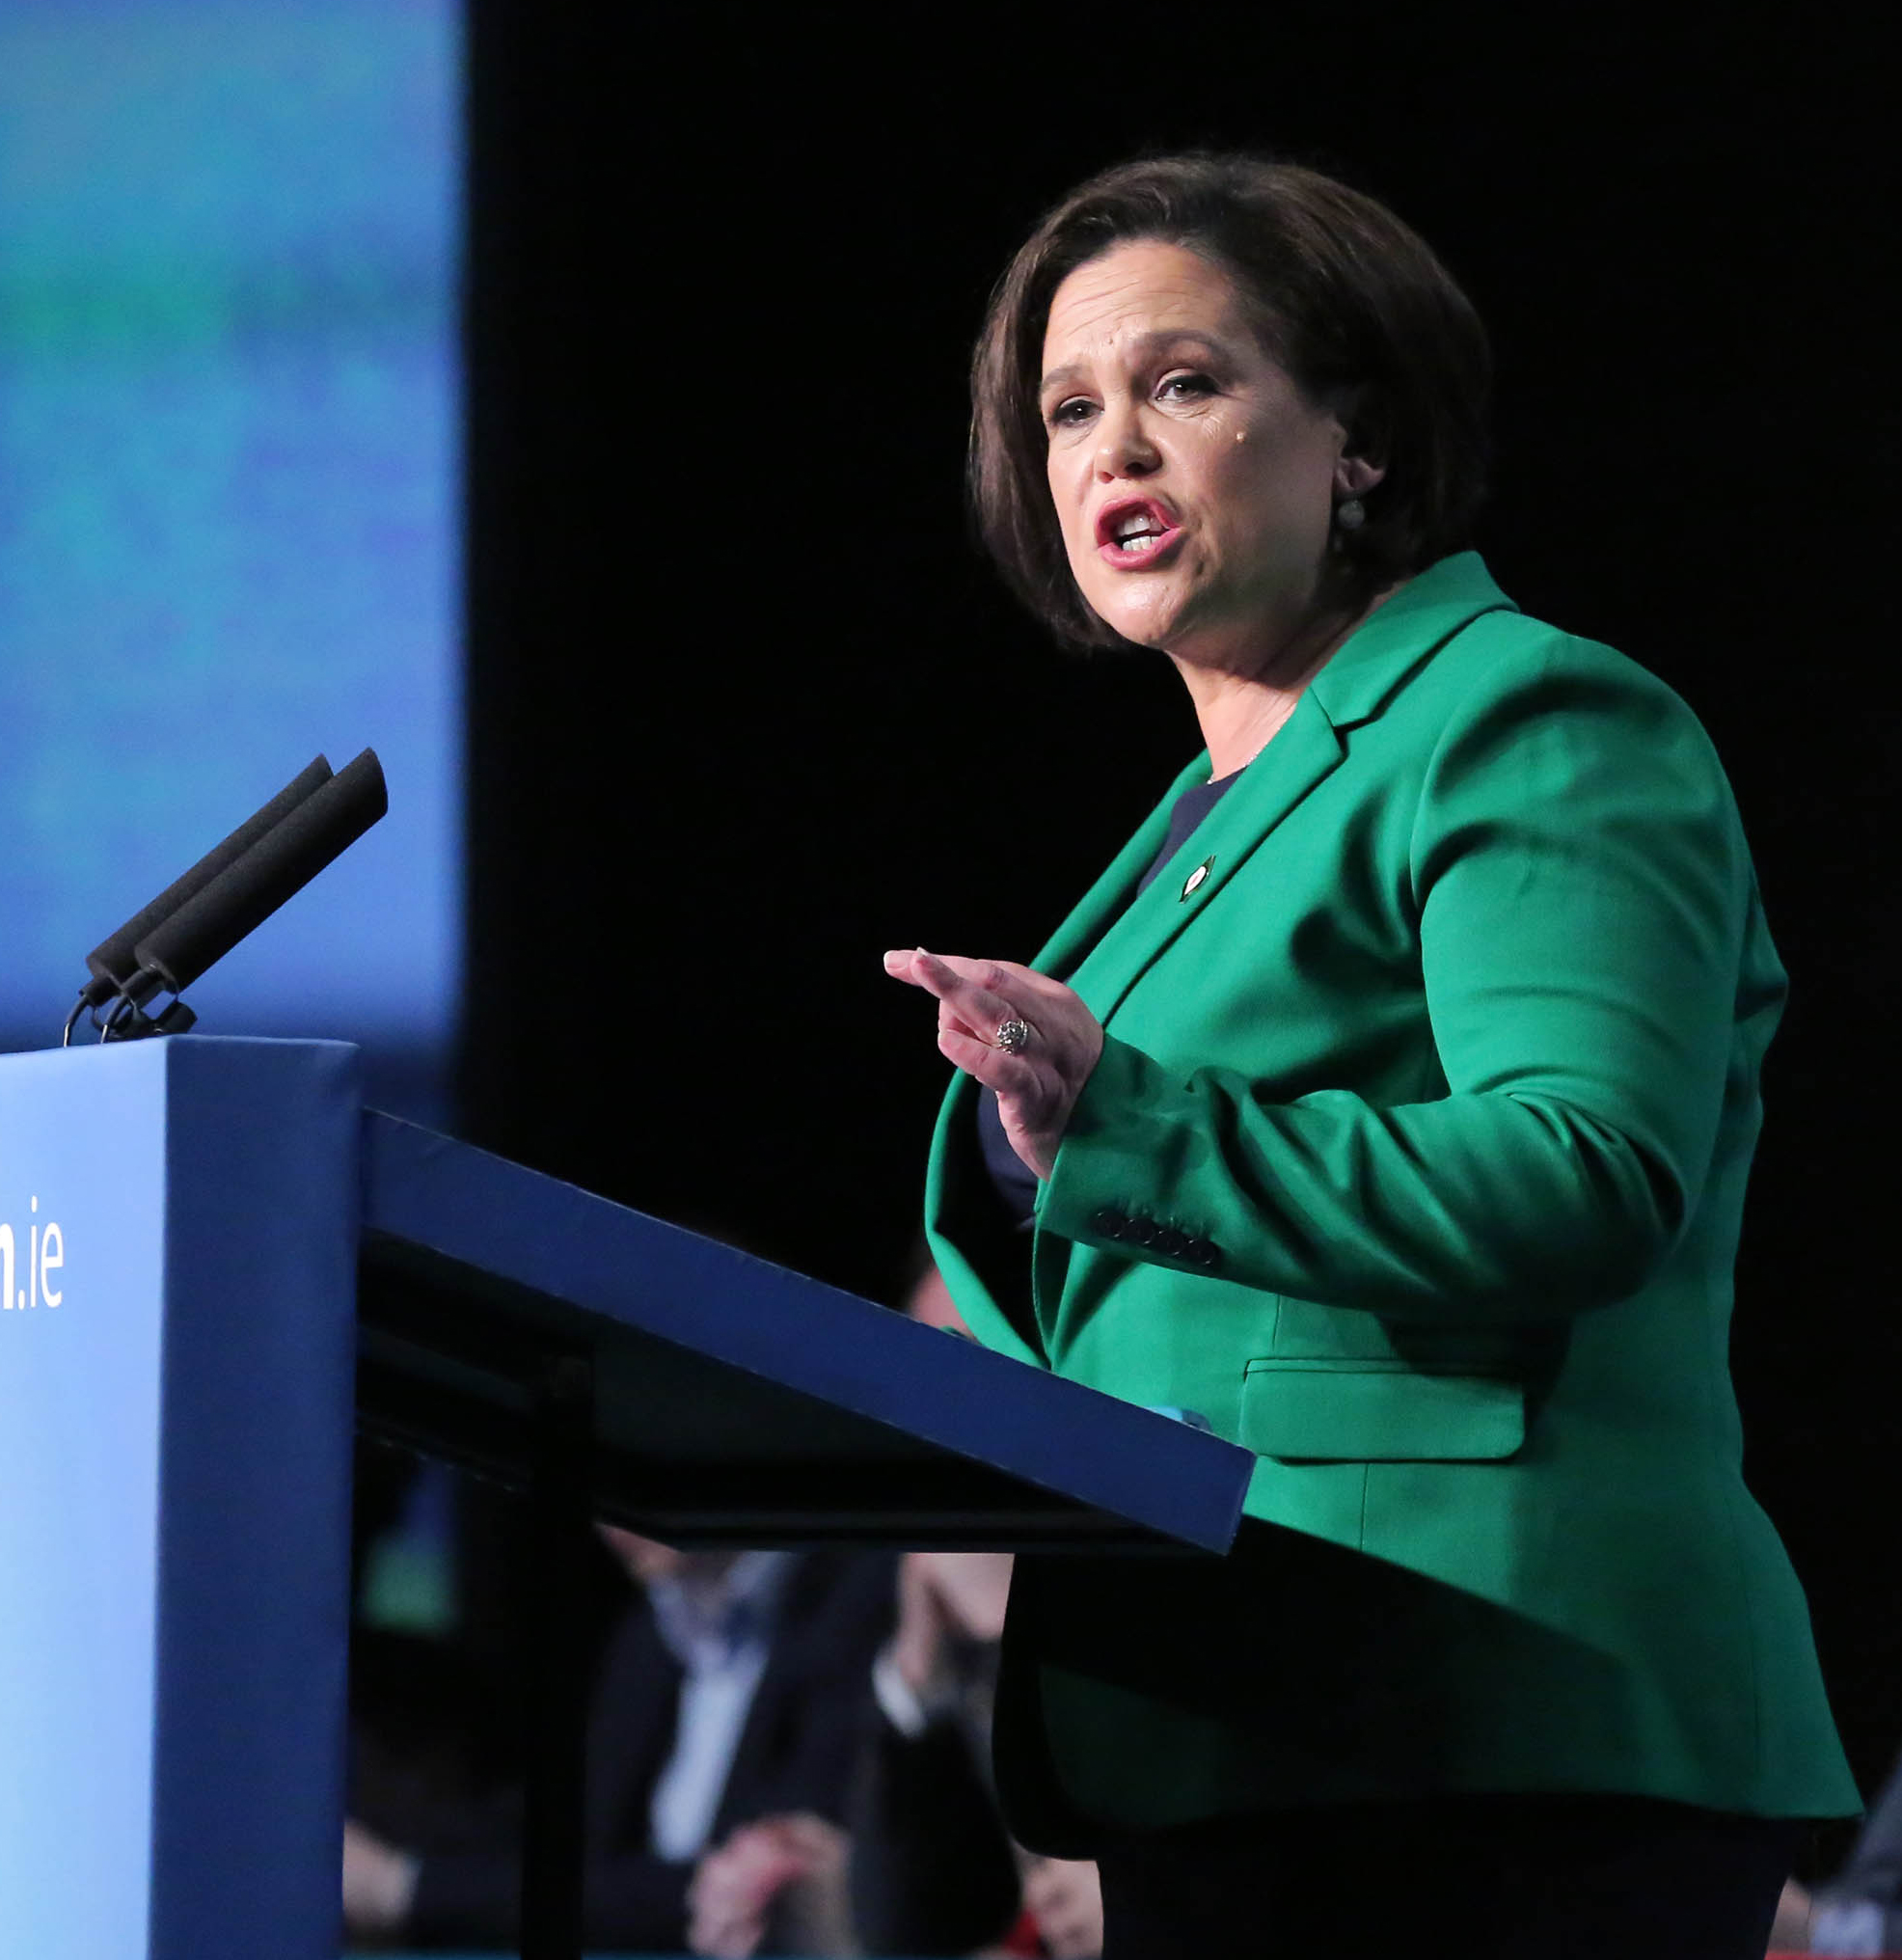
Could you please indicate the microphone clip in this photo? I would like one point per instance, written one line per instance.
(124, 1016)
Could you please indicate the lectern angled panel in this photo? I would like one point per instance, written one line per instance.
(176, 1241)
(737, 1399)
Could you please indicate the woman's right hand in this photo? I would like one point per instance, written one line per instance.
(1037, 1082)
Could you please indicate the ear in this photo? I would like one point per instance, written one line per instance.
(1359, 466)
(1355, 475)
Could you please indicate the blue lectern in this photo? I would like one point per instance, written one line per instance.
(214, 1263)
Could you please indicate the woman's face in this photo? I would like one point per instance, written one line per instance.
(1194, 481)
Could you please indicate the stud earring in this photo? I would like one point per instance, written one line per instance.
(1350, 513)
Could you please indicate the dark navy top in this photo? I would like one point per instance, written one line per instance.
(1016, 1181)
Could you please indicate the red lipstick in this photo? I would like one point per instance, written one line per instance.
(1134, 532)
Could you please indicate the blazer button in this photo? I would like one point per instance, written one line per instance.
(1109, 1221)
(1171, 1241)
(1203, 1254)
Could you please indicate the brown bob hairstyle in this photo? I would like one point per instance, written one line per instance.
(1347, 298)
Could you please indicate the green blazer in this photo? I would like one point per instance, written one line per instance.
(1415, 1164)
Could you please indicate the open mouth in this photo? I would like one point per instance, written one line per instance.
(1134, 529)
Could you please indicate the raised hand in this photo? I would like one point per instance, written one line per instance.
(942, 1597)
(1026, 1036)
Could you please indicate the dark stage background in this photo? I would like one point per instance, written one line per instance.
(747, 709)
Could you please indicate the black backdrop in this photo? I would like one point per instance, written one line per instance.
(745, 709)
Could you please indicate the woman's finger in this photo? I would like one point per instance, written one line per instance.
(1013, 1076)
(951, 1022)
(1002, 989)
(1019, 983)
(949, 978)
(979, 1007)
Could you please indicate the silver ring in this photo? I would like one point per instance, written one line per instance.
(1012, 1036)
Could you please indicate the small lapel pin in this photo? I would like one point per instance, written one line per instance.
(1196, 877)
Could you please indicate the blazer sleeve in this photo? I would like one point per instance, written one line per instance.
(1578, 882)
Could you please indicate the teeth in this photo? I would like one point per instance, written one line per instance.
(1142, 541)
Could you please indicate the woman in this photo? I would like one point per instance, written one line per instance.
(1388, 1103)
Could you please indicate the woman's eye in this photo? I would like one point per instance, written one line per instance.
(1067, 414)
(1185, 387)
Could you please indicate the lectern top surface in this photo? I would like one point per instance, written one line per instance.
(734, 1399)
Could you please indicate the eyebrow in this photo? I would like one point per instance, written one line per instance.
(1147, 343)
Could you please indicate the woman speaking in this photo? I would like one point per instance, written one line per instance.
(1387, 1103)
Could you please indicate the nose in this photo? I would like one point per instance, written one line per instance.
(1123, 444)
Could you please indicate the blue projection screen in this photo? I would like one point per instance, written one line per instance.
(230, 383)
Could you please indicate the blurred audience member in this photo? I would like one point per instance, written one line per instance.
(1064, 1903)
(932, 1869)
(726, 1713)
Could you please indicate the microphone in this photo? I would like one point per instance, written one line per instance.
(113, 963)
(250, 888)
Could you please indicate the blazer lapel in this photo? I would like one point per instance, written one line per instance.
(1301, 754)
(970, 1245)
(1111, 894)
(1351, 688)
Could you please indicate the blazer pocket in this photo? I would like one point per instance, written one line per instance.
(1378, 1412)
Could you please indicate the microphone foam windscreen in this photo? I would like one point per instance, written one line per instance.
(113, 961)
(276, 869)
